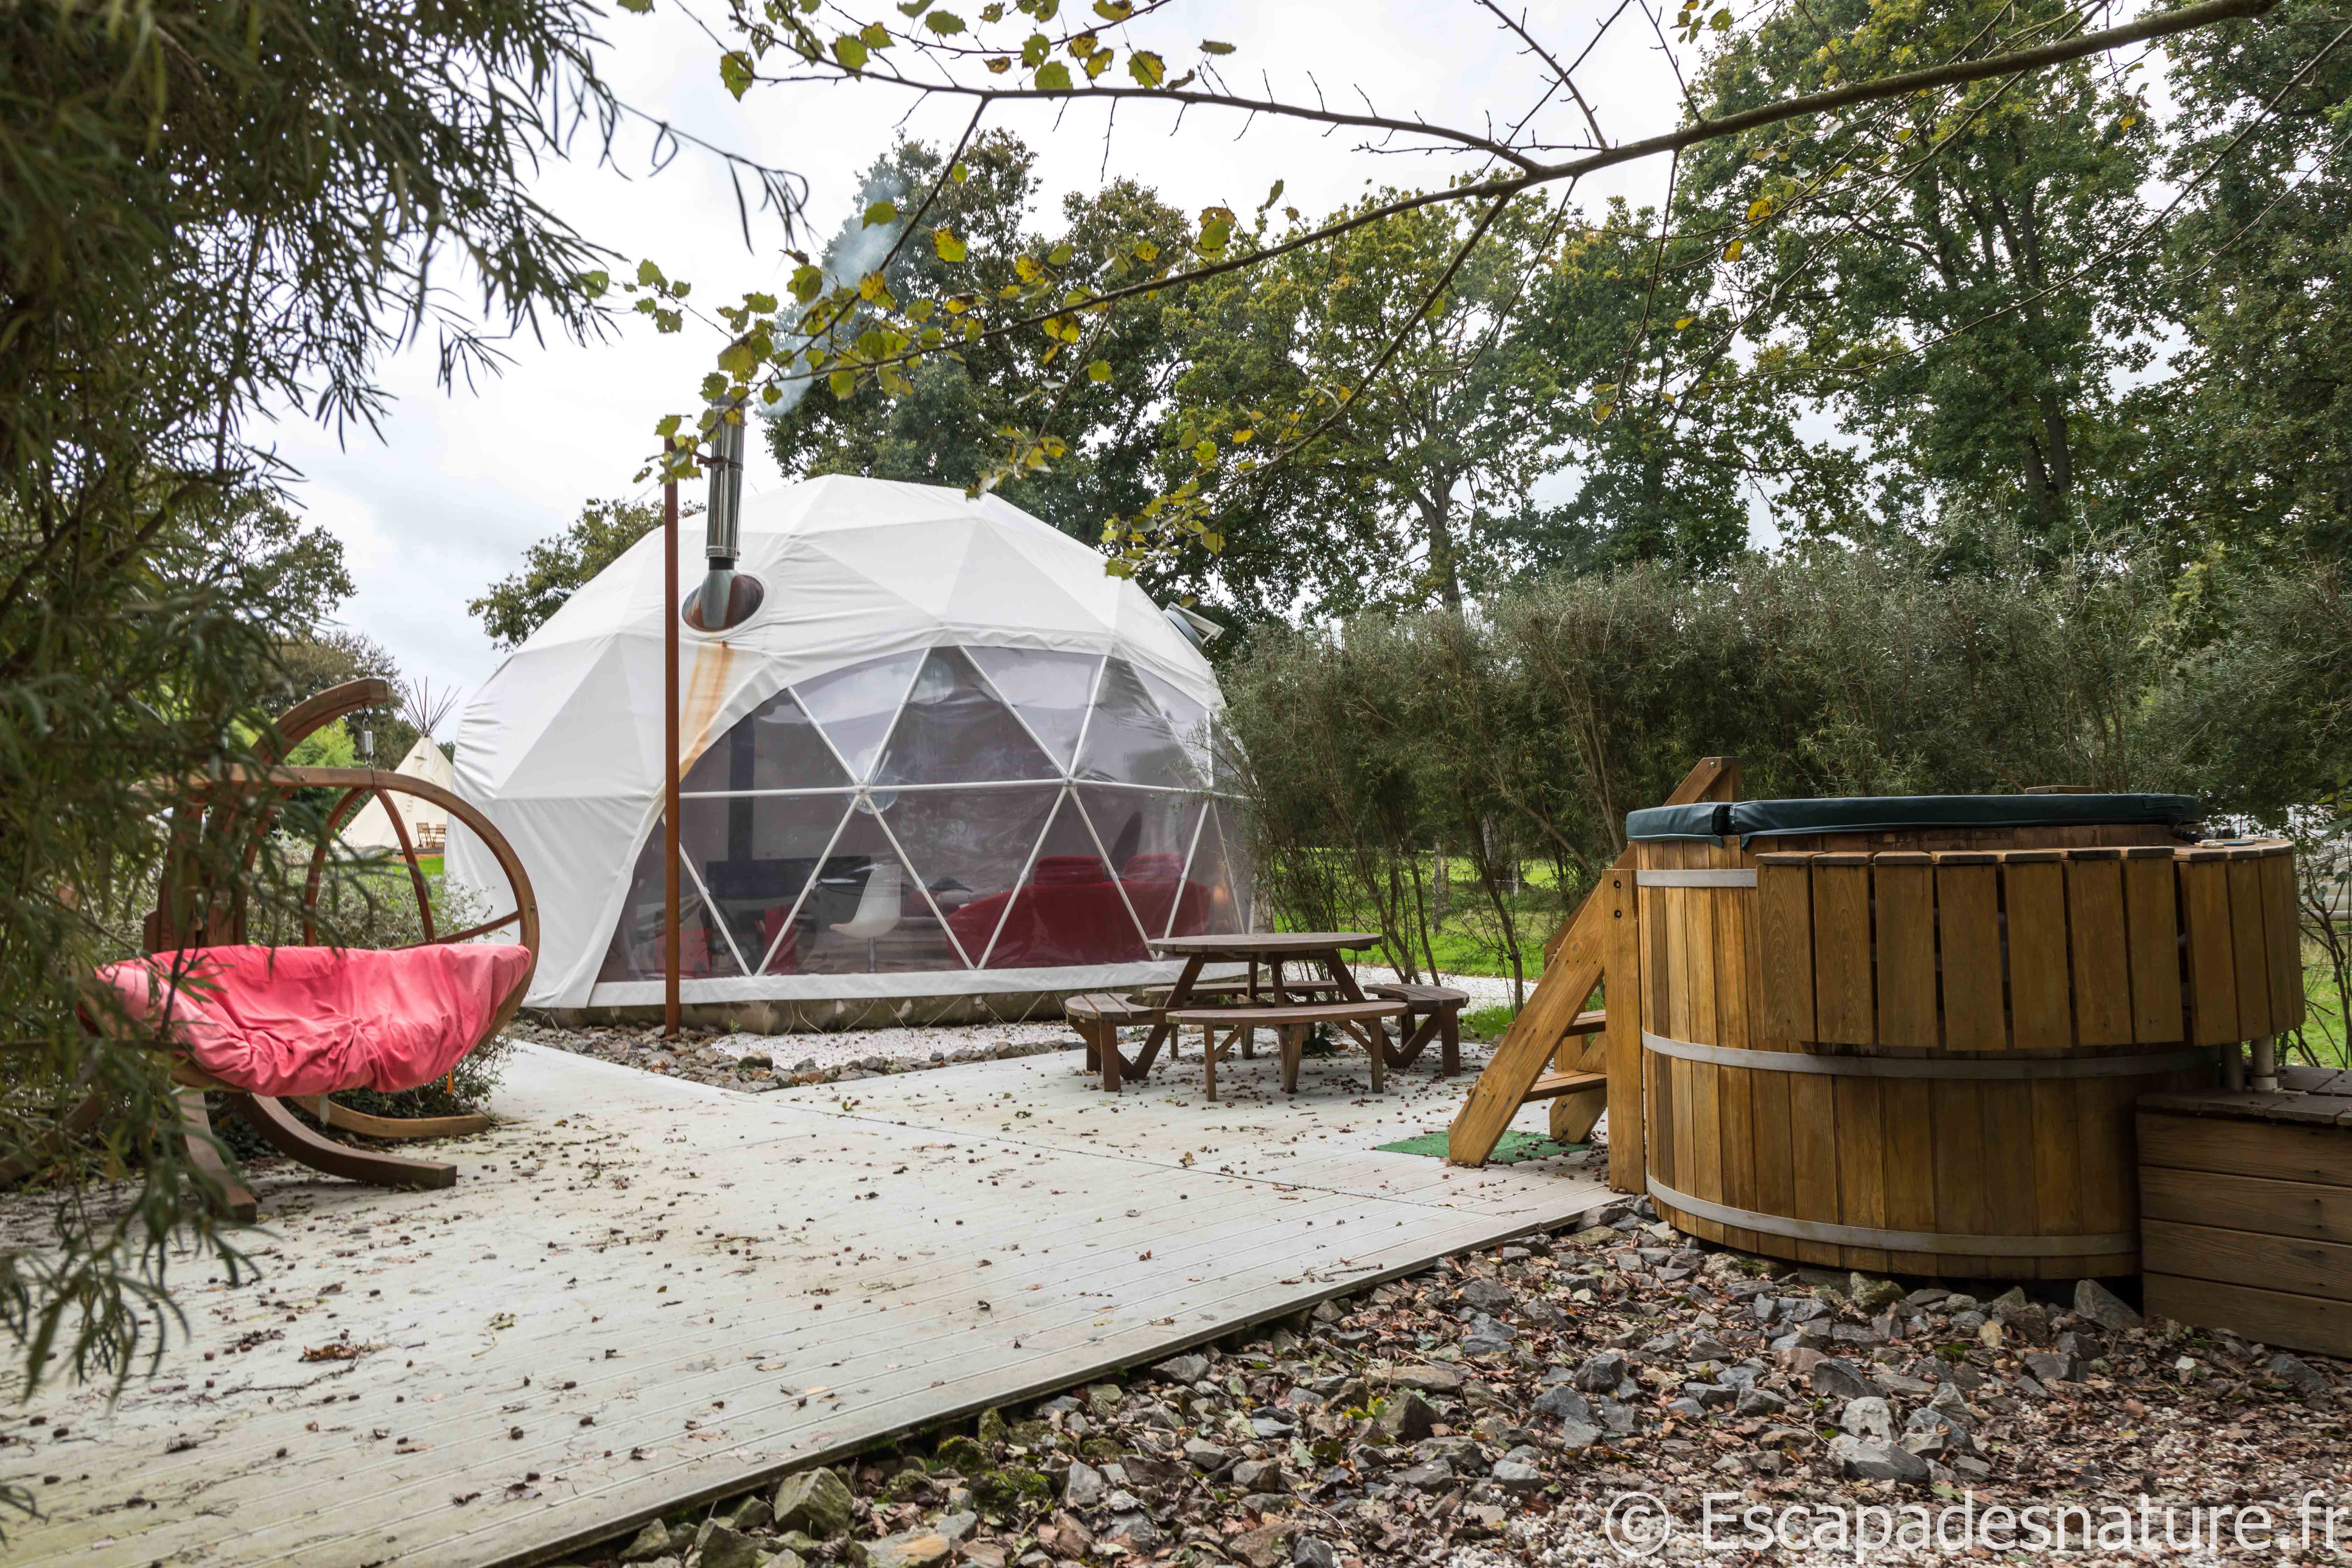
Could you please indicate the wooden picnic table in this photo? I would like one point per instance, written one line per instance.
(1311, 950)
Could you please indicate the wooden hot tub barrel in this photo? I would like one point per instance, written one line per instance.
(1907, 1036)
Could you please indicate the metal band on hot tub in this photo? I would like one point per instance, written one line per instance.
(1899, 1240)
(1932, 1067)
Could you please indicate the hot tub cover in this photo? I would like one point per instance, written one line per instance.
(1876, 814)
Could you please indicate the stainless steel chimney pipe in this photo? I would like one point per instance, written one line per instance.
(720, 518)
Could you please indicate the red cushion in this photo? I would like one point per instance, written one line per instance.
(312, 1020)
(1068, 870)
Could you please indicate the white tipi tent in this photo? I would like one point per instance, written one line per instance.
(427, 822)
(948, 756)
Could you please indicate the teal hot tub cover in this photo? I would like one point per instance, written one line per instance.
(1874, 813)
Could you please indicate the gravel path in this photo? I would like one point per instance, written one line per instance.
(1490, 1412)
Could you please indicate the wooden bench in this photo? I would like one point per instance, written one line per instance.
(1098, 1018)
(1359, 1020)
(1430, 1012)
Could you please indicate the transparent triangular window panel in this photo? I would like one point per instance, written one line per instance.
(869, 914)
(1187, 721)
(1148, 835)
(755, 862)
(969, 848)
(774, 746)
(1221, 871)
(953, 730)
(857, 705)
(705, 951)
(1050, 691)
(1127, 739)
(1069, 908)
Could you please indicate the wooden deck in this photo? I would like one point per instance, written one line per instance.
(644, 1293)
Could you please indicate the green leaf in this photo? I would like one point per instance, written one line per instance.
(1059, 256)
(1035, 48)
(914, 9)
(850, 51)
(735, 72)
(948, 247)
(944, 23)
(881, 212)
(640, 6)
(1147, 68)
(667, 425)
(1721, 20)
(649, 274)
(736, 360)
(1114, 10)
(1212, 542)
(1210, 47)
(842, 382)
(807, 282)
(875, 35)
(760, 304)
(1098, 371)
(1052, 77)
(1204, 453)
(594, 284)
(1272, 196)
(959, 172)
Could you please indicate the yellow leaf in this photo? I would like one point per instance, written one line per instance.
(1098, 371)
(1684, 325)
(1731, 252)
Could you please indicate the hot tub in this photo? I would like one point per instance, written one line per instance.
(1905, 1034)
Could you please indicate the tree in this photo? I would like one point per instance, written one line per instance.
(1408, 500)
(946, 426)
(207, 213)
(854, 334)
(2250, 441)
(1948, 266)
(558, 565)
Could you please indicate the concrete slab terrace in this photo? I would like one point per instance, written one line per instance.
(644, 1293)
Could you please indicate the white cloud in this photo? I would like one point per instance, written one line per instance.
(461, 482)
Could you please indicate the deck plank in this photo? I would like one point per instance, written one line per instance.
(581, 1272)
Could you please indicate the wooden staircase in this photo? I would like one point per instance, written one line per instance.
(1593, 1057)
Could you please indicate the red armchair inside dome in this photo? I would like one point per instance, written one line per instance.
(1070, 912)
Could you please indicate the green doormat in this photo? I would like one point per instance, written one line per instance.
(1514, 1148)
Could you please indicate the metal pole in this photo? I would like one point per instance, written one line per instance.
(669, 757)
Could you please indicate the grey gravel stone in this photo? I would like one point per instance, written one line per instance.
(1835, 1378)
(1564, 1403)
(1875, 1459)
(2299, 1374)
(2102, 1306)
(1084, 1488)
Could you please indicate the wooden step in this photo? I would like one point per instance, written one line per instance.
(1551, 1086)
(1590, 1023)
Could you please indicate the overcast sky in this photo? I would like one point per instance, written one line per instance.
(462, 482)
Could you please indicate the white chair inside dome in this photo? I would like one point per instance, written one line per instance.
(876, 915)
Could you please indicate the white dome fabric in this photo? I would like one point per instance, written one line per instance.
(947, 754)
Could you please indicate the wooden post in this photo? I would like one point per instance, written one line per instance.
(669, 753)
(1628, 1149)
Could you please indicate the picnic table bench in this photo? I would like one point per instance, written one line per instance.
(1430, 1011)
(1291, 1024)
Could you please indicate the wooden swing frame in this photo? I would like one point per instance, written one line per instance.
(231, 815)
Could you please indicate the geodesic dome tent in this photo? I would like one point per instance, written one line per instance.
(947, 757)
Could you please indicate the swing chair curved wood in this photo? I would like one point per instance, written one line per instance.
(225, 820)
